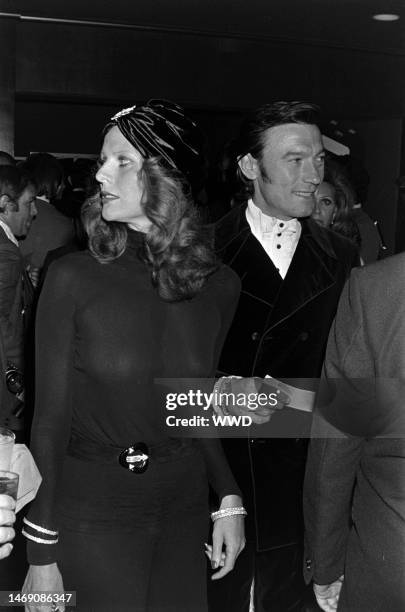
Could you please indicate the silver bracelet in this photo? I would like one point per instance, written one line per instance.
(39, 528)
(228, 512)
(38, 540)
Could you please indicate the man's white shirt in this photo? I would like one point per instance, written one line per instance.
(278, 238)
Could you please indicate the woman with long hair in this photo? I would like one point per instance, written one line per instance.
(334, 203)
(121, 515)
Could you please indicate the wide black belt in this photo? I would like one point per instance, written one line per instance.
(134, 458)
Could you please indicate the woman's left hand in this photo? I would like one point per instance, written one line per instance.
(228, 540)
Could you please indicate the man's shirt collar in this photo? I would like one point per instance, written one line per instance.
(8, 232)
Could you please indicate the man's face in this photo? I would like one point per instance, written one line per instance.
(20, 220)
(290, 169)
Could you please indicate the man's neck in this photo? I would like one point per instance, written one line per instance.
(270, 212)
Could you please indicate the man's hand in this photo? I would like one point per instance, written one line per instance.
(327, 595)
(7, 518)
(248, 397)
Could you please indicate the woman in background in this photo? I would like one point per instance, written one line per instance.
(121, 515)
(334, 203)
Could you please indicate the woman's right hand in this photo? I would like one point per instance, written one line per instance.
(7, 518)
(43, 578)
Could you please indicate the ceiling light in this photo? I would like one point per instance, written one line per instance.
(386, 17)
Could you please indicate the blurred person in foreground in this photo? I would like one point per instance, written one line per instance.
(121, 515)
(354, 494)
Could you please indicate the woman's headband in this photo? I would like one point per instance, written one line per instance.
(161, 129)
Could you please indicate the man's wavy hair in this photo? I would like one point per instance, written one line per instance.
(13, 182)
(251, 138)
(177, 248)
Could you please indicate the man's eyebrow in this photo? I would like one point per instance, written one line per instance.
(303, 151)
(298, 152)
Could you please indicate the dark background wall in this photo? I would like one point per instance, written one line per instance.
(123, 64)
(60, 82)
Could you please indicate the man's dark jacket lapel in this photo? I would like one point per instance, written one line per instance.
(309, 274)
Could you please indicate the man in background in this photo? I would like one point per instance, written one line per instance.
(17, 211)
(52, 228)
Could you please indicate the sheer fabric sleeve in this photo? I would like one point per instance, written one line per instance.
(53, 402)
(219, 472)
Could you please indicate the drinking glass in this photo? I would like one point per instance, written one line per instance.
(9, 483)
(7, 439)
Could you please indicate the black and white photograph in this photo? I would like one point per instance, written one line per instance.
(202, 305)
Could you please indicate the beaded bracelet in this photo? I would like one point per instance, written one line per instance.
(228, 512)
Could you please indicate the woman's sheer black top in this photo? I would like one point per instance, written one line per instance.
(103, 336)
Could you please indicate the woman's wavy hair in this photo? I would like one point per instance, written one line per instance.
(177, 248)
(343, 221)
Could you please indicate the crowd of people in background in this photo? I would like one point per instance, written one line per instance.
(62, 184)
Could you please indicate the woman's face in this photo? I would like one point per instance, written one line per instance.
(325, 204)
(121, 184)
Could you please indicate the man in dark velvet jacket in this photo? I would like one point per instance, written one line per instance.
(292, 274)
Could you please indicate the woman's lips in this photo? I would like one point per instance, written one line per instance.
(106, 196)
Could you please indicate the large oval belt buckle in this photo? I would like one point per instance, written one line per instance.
(135, 458)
